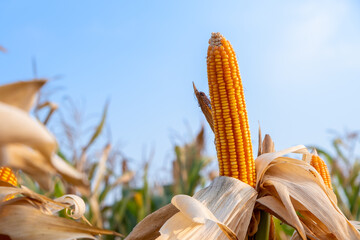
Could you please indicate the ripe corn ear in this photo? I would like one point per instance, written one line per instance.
(7, 175)
(322, 169)
(231, 127)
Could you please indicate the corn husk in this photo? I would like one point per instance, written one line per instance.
(149, 227)
(33, 163)
(205, 106)
(288, 188)
(31, 217)
(293, 190)
(41, 168)
(18, 127)
(221, 211)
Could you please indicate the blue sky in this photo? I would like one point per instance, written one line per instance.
(299, 62)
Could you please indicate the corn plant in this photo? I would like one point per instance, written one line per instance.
(344, 163)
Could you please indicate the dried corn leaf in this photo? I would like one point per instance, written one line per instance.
(18, 127)
(125, 178)
(21, 94)
(295, 236)
(71, 175)
(293, 190)
(101, 169)
(98, 179)
(221, 211)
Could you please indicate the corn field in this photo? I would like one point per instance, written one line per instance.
(71, 185)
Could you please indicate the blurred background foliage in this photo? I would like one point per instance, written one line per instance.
(119, 197)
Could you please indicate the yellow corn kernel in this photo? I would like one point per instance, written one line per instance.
(7, 175)
(138, 199)
(322, 169)
(231, 127)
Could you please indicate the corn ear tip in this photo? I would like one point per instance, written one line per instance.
(314, 152)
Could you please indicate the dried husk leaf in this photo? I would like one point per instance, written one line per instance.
(41, 168)
(74, 204)
(205, 105)
(196, 212)
(78, 204)
(21, 94)
(7, 190)
(220, 211)
(263, 161)
(356, 224)
(20, 220)
(31, 216)
(149, 227)
(289, 186)
(33, 163)
(18, 127)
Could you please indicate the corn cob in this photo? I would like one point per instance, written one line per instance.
(321, 168)
(231, 127)
(7, 175)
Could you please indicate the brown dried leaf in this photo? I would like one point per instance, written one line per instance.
(205, 106)
(101, 169)
(297, 194)
(21, 94)
(149, 227)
